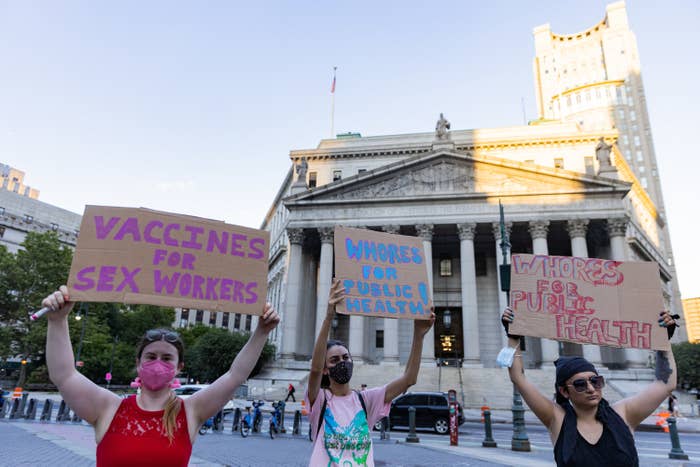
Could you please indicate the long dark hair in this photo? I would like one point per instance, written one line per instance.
(325, 380)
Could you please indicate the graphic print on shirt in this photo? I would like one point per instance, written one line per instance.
(353, 438)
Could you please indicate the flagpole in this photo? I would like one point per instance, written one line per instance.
(333, 104)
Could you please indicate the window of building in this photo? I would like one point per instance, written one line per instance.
(445, 267)
(337, 175)
(643, 181)
(578, 98)
(558, 163)
(568, 101)
(2, 211)
(54, 226)
(212, 318)
(248, 321)
(379, 339)
(654, 173)
(28, 219)
(588, 162)
(237, 321)
(625, 140)
(224, 320)
(312, 179)
(633, 115)
(588, 95)
(640, 156)
(199, 316)
(628, 154)
(185, 314)
(641, 169)
(2, 232)
(637, 141)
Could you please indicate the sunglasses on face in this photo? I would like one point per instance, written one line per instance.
(156, 335)
(581, 384)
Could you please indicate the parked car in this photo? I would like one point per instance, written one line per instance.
(186, 390)
(432, 411)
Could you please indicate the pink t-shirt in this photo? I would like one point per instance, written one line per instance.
(345, 434)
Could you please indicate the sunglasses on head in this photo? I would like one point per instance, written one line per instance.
(581, 384)
(158, 334)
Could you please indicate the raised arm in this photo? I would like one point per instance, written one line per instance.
(638, 407)
(88, 400)
(410, 374)
(543, 407)
(318, 360)
(207, 402)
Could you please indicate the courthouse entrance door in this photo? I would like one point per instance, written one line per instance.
(449, 347)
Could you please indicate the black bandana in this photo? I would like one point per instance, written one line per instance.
(569, 366)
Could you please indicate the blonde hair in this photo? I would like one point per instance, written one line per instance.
(172, 409)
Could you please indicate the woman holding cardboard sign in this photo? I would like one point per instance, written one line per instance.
(583, 427)
(155, 427)
(347, 415)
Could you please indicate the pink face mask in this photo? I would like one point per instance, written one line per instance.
(156, 374)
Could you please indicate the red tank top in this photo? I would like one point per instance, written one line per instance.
(136, 438)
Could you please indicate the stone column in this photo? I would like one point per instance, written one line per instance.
(538, 231)
(425, 232)
(617, 229)
(470, 309)
(325, 276)
(502, 297)
(577, 229)
(391, 325)
(291, 310)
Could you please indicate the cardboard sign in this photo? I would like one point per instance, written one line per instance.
(384, 275)
(588, 301)
(130, 255)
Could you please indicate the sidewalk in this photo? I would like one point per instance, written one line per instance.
(684, 424)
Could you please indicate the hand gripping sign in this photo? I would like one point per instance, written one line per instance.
(587, 301)
(384, 274)
(129, 255)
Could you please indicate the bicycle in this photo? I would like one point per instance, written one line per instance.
(275, 417)
(206, 426)
(252, 420)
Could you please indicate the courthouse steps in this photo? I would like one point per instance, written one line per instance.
(480, 386)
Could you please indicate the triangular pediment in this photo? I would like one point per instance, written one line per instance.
(454, 175)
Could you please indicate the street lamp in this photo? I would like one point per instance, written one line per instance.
(520, 441)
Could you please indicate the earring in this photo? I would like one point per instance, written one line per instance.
(175, 384)
(136, 383)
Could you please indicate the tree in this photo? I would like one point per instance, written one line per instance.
(687, 357)
(25, 279)
(214, 351)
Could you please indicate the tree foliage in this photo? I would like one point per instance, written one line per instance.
(687, 357)
(215, 349)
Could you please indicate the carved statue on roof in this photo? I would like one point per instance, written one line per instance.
(602, 153)
(301, 169)
(441, 128)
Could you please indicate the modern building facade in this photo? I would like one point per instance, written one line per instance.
(691, 310)
(12, 179)
(22, 213)
(568, 182)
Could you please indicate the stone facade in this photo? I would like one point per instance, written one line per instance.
(447, 194)
(21, 214)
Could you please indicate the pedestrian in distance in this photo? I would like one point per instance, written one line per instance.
(290, 393)
(585, 430)
(340, 418)
(155, 427)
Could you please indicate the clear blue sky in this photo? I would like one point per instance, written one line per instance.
(193, 107)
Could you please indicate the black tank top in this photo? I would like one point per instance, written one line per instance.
(613, 449)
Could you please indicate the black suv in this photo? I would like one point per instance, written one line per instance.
(432, 411)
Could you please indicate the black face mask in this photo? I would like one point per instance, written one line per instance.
(341, 372)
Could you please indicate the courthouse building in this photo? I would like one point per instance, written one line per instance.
(581, 180)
